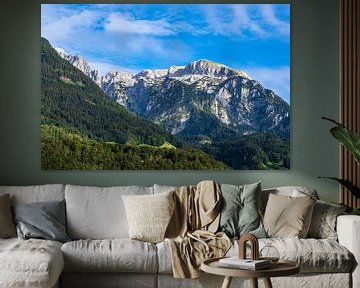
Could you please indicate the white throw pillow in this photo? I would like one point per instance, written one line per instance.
(149, 215)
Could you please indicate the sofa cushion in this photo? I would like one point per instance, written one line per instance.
(323, 222)
(42, 220)
(36, 193)
(98, 213)
(240, 210)
(117, 255)
(149, 215)
(291, 191)
(287, 216)
(30, 263)
(313, 255)
(7, 226)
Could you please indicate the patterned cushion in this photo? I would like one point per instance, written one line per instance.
(323, 223)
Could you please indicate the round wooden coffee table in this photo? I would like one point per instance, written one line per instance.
(281, 268)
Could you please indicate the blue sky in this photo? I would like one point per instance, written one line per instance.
(254, 38)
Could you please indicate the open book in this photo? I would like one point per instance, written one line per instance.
(236, 262)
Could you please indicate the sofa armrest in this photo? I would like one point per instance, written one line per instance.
(348, 230)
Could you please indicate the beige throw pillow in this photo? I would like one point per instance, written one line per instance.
(288, 217)
(149, 215)
(7, 226)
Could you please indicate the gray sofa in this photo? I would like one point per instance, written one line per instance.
(101, 255)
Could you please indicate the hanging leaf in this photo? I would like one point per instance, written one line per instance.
(349, 139)
(347, 184)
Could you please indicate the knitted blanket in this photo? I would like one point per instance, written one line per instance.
(191, 232)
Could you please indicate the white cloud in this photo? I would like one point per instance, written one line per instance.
(124, 24)
(275, 79)
(242, 21)
(68, 24)
(246, 20)
(269, 14)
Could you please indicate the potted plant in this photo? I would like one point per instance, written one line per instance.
(351, 141)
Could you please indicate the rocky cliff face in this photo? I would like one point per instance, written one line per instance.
(202, 98)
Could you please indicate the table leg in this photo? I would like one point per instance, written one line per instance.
(267, 283)
(227, 282)
(254, 282)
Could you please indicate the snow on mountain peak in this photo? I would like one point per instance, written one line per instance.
(155, 73)
(81, 64)
(202, 68)
(124, 77)
(61, 52)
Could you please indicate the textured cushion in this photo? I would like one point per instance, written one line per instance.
(7, 227)
(323, 222)
(117, 255)
(149, 215)
(287, 216)
(30, 263)
(98, 213)
(240, 210)
(36, 193)
(44, 220)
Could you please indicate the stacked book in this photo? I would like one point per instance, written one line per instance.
(248, 264)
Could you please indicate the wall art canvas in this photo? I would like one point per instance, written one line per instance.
(165, 86)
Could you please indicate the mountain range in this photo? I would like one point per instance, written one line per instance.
(203, 115)
(201, 98)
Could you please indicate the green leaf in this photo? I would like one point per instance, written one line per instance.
(347, 184)
(349, 139)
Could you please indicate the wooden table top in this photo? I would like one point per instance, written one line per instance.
(281, 268)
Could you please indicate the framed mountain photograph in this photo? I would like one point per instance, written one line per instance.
(165, 86)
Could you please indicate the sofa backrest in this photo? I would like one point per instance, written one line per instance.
(98, 212)
(36, 193)
(162, 188)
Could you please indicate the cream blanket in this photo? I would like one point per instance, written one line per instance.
(191, 231)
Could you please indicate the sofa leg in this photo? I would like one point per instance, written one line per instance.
(254, 282)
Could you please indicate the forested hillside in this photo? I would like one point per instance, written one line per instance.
(82, 128)
(65, 150)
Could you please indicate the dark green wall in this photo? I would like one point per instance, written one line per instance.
(314, 93)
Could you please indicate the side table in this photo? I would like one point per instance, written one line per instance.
(281, 268)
